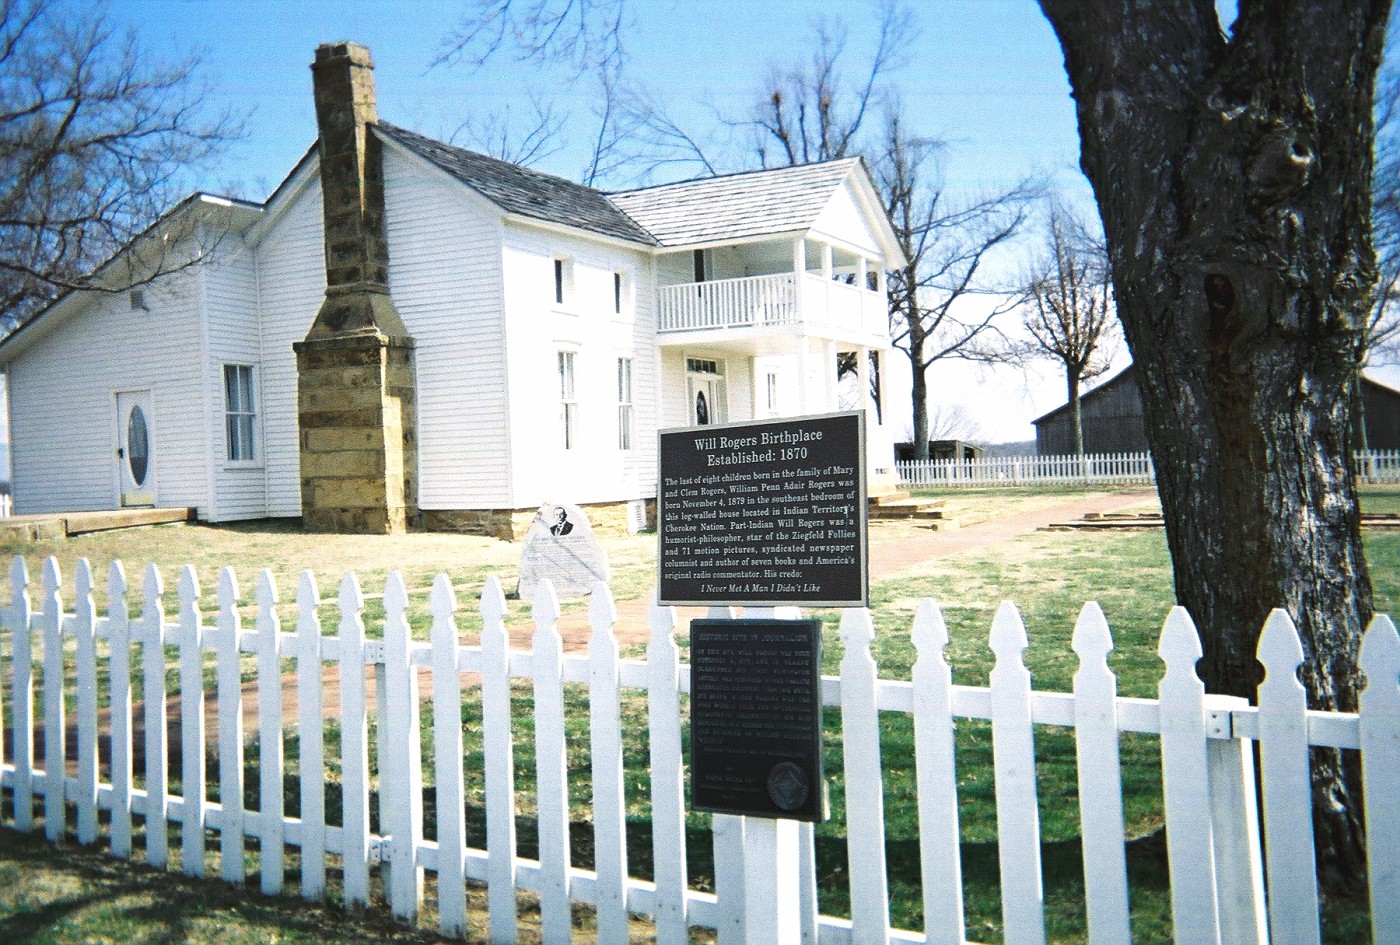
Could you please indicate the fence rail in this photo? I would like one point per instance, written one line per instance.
(1214, 847)
(1373, 466)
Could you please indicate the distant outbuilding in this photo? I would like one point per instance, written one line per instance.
(1112, 417)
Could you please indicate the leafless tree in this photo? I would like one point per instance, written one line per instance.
(811, 112)
(1236, 211)
(1068, 310)
(506, 135)
(582, 38)
(94, 139)
(941, 305)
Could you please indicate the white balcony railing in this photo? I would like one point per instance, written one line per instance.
(766, 301)
(727, 303)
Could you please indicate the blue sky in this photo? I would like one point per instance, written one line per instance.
(985, 76)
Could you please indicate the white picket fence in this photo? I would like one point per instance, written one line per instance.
(1374, 466)
(1106, 468)
(1218, 890)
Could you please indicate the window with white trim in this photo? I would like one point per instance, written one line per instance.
(624, 403)
(563, 280)
(568, 405)
(239, 413)
(773, 393)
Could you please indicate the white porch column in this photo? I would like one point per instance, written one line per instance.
(828, 266)
(804, 376)
(829, 398)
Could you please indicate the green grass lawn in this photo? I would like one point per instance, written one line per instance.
(1048, 574)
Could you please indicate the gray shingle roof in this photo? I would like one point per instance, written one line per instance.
(520, 190)
(778, 200)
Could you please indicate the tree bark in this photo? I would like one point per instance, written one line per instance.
(1076, 415)
(1233, 178)
(919, 398)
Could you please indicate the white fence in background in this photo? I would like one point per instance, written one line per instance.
(1374, 466)
(1217, 889)
(1104, 468)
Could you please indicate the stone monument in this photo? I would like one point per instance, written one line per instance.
(560, 547)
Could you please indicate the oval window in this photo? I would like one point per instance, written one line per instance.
(138, 452)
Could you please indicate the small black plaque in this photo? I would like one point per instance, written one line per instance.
(764, 513)
(755, 718)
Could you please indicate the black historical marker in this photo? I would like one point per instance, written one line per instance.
(769, 513)
(755, 718)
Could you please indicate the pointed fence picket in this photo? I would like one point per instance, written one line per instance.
(944, 923)
(55, 754)
(1100, 781)
(85, 667)
(551, 771)
(194, 805)
(447, 745)
(230, 703)
(119, 646)
(1213, 846)
(153, 694)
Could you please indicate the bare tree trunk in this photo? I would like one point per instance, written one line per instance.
(919, 399)
(1076, 418)
(1236, 207)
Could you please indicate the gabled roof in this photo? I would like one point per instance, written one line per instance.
(522, 191)
(735, 206)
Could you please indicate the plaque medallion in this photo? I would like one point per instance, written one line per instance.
(787, 786)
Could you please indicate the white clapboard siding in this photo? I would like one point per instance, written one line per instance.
(153, 695)
(230, 703)
(944, 923)
(1186, 784)
(764, 873)
(271, 800)
(865, 801)
(192, 785)
(1013, 751)
(1286, 774)
(354, 745)
(1380, 767)
(448, 753)
(119, 652)
(85, 667)
(499, 759)
(22, 698)
(1100, 781)
(311, 737)
(401, 764)
(667, 778)
(551, 769)
(605, 742)
(55, 754)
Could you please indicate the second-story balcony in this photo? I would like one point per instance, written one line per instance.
(785, 303)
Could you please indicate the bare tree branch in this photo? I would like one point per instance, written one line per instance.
(93, 138)
(526, 143)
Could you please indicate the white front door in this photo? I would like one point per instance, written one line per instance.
(136, 471)
(707, 400)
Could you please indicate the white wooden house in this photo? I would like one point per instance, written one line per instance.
(554, 328)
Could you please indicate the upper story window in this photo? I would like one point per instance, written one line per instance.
(563, 280)
(239, 414)
(617, 293)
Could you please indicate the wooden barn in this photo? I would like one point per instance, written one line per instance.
(1112, 418)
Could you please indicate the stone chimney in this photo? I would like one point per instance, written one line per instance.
(355, 374)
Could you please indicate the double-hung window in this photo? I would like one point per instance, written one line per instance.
(624, 403)
(568, 405)
(239, 413)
